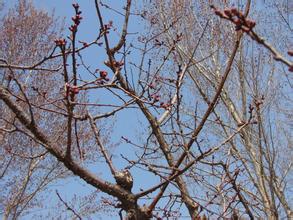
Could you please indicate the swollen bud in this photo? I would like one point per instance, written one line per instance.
(103, 74)
(290, 52)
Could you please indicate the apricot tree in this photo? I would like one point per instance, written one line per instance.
(190, 118)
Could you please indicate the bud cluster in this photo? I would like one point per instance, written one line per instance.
(103, 77)
(69, 89)
(103, 74)
(165, 105)
(76, 19)
(60, 42)
(115, 64)
(237, 17)
(156, 98)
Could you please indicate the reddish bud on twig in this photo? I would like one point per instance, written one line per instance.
(70, 89)
(290, 52)
(74, 89)
(76, 19)
(60, 42)
(228, 12)
(118, 63)
(156, 97)
(165, 105)
(151, 86)
(115, 63)
(250, 23)
(237, 22)
(234, 11)
(237, 17)
(103, 74)
(73, 28)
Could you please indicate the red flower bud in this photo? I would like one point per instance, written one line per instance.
(73, 28)
(103, 74)
(290, 52)
(165, 105)
(234, 11)
(152, 86)
(237, 22)
(228, 12)
(156, 98)
(118, 63)
(60, 42)
(250, 23)
(75, 89)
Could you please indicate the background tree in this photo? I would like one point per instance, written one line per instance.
(203, 94)
(27, 36)
(255, 82)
